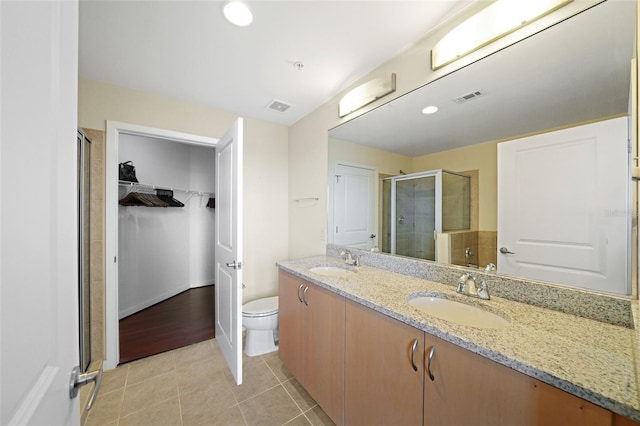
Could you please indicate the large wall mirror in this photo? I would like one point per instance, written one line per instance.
(576, 72)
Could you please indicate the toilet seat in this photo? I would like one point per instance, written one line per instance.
(260, 307)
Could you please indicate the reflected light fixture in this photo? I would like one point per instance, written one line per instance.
(494, 21)
(431, 109)
(238, 13)
(366, 93)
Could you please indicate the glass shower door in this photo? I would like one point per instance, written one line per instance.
(415, 216)
(419, 206)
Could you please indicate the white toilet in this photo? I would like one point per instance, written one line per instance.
(260, 319)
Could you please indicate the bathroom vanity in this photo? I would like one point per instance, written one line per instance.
(368, 356)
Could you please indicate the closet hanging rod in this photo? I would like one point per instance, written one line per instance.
(154, 187)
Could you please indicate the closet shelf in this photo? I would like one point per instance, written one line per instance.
(136, 186)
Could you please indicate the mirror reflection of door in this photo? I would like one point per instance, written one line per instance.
(354, 205)
(545, 82)
(563, 206)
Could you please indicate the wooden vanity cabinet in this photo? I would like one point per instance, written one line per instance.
(470, 389)
(357, 364)
(381, 385)
(311, 331)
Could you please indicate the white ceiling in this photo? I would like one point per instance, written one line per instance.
(186, 50)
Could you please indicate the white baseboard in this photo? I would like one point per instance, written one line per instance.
(204, 284)
(150, 302)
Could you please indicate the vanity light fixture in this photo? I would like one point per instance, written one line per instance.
(238, 13)
(491, 23)
(431, 109)
(366, 93)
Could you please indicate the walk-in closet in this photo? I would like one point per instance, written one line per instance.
(166, 245)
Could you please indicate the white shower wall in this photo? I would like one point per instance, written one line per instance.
(164, 251)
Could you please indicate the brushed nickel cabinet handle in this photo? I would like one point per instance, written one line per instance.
(432, 352)
(304, 296)
(300, 288)
(413, 351)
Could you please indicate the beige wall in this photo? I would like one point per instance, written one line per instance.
(308, 139)
(265, 166)
(385, 162)
(482, 157)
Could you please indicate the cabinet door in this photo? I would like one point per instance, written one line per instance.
(381, 385)
(470, 389)
(324, 350)
(290, 323)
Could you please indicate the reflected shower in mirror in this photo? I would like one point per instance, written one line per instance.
(572, 73)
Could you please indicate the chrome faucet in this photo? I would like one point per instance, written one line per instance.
(349, 258)
(467, 285)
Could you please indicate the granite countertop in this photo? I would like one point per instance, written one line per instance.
(593, 360)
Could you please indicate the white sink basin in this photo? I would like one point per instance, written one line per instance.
(331, 271)
(459, 313)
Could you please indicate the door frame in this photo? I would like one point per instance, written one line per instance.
(114, 130)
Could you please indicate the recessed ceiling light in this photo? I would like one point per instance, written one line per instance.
(238, 13)
(430, 109)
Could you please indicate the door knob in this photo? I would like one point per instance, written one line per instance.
(80, 379)
(505, 250)
(372, 236)
(234, 265)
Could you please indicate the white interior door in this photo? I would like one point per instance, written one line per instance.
(354, 206)
(38, 212)
(229, 248)
(563, 207)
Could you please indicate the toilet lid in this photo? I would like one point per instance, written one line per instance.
(261, 307)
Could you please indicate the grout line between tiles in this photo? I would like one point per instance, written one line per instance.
(124, 391)
(259, 393)
(175, 370)
(297, 405)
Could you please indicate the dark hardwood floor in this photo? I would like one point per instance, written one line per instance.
(181, 320)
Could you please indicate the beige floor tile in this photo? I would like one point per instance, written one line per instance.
(299, 395)
(150, 367)
(273, 361)
(273, 407)
(256, 379)
(196, 352)
(207, 402)
(150, 392)
(229, 417)
(248, 361)
(199, 390)
(114, 379)
(317, 417)
(106, 409)
(201, 376)
(165, 414)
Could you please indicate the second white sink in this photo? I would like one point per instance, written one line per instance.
(459, 313)
(331, 271)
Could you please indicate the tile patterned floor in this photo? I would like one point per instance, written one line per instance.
(192, 386)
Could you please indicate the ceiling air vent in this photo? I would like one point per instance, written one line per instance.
(469, 96)
(279, 106)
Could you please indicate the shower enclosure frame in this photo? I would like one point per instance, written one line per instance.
(84, 250)
(393, 220)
